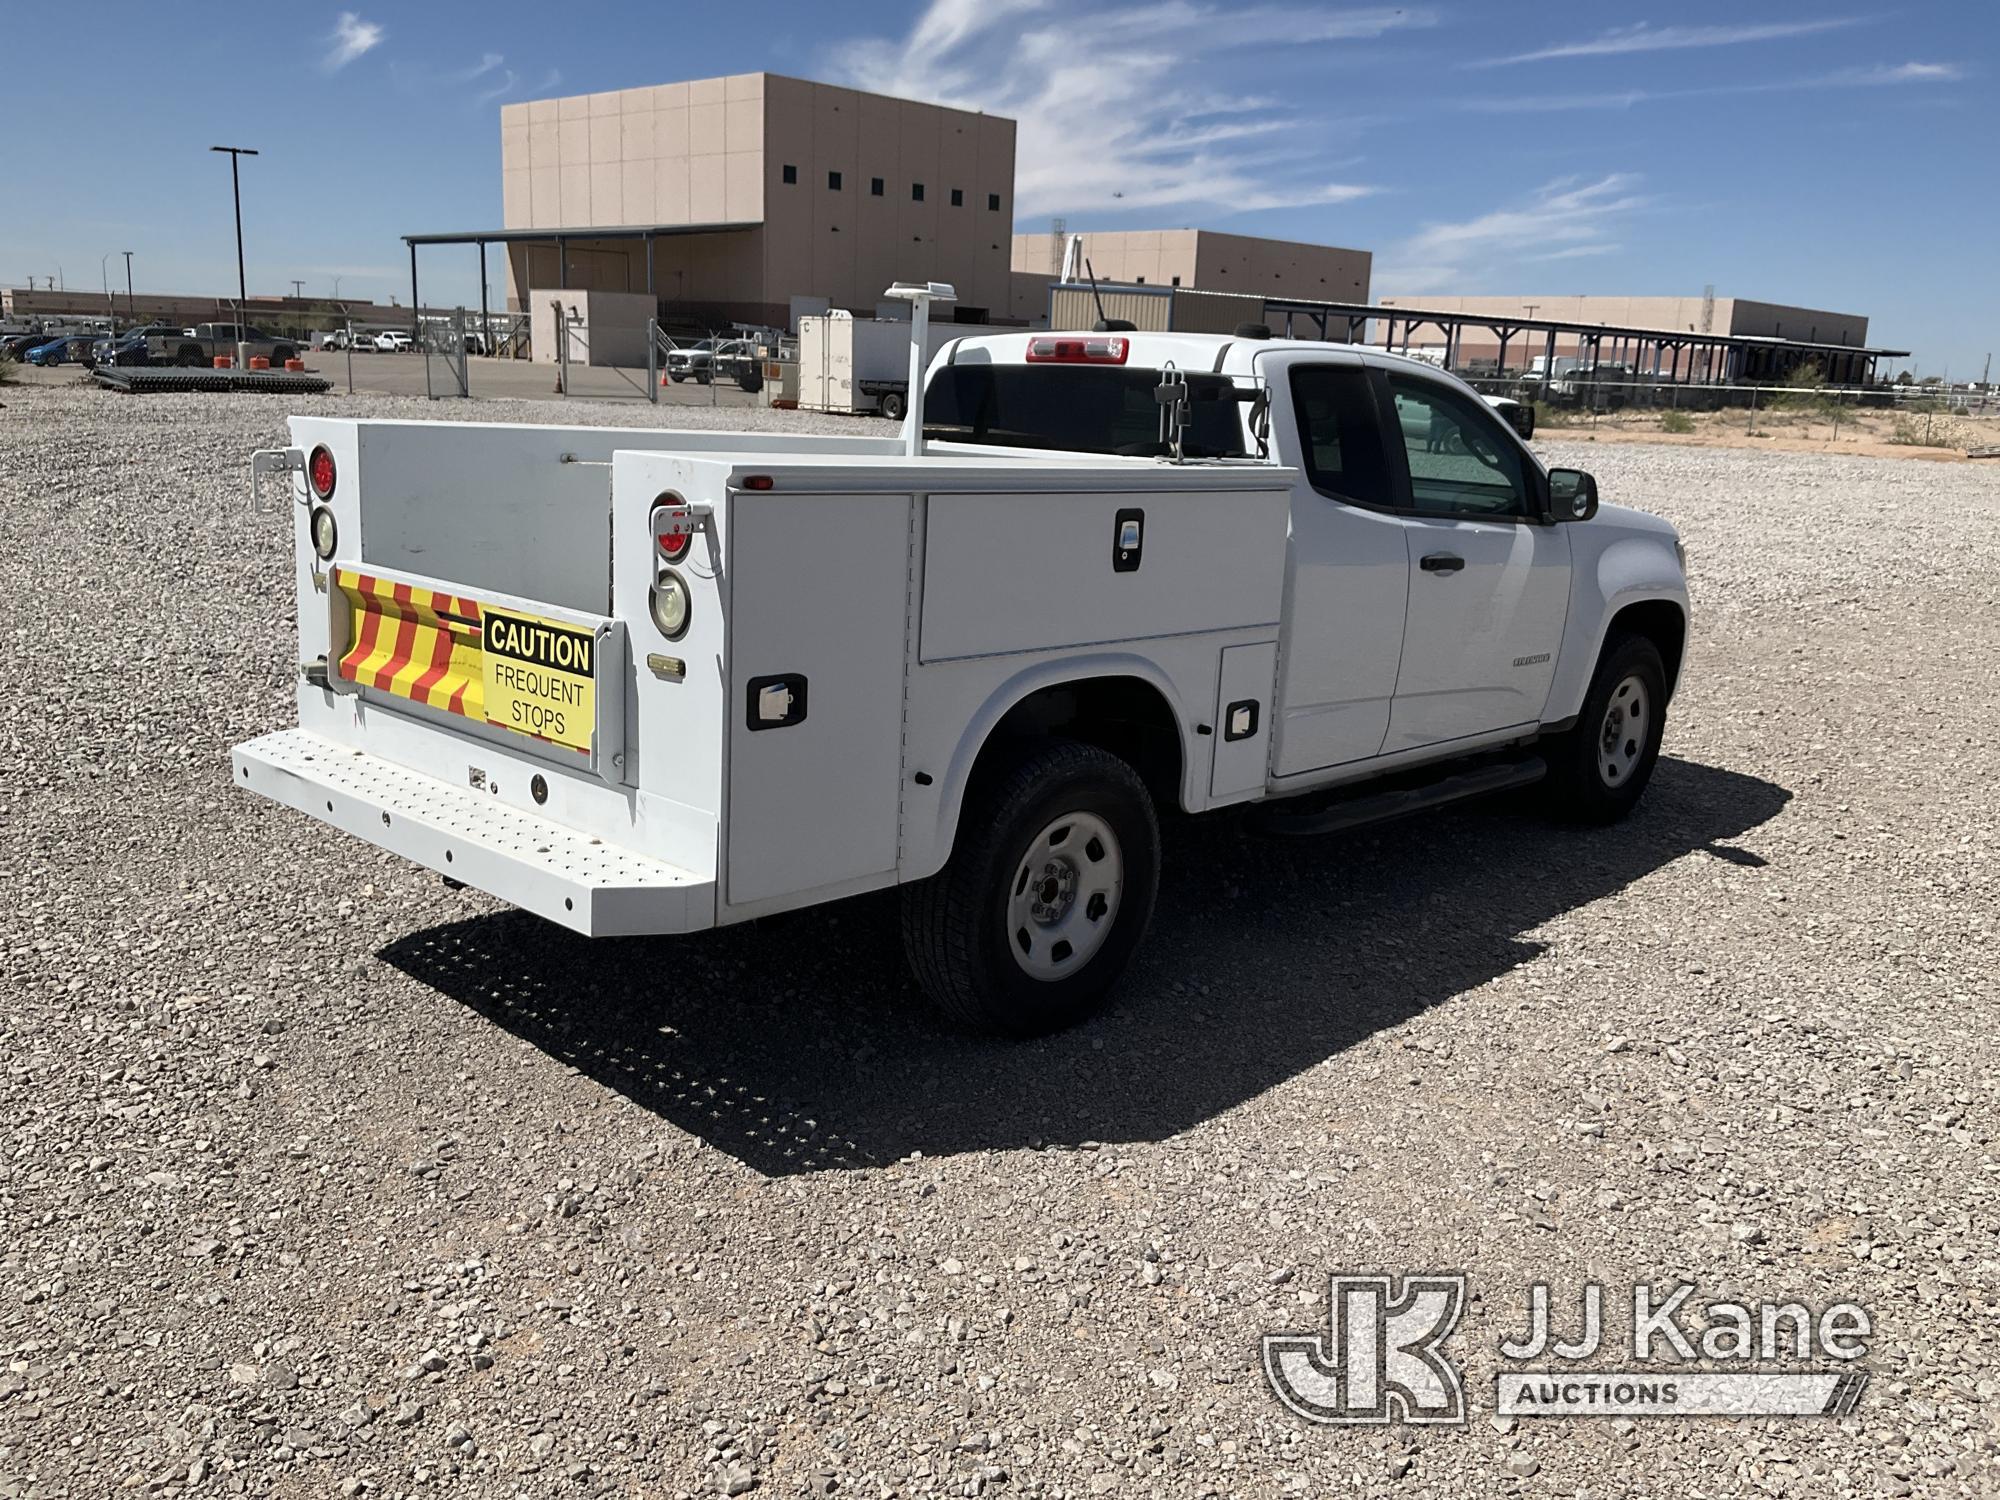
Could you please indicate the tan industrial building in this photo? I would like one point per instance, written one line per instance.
(752, 198)
(1835, 340)
(1203, 258)
(727, 197)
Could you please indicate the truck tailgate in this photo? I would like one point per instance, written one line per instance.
(544, 677)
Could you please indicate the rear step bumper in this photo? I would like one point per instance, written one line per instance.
(584, 883)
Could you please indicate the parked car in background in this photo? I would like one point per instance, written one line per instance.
(126, 349)
(207, 340)
(741, 361)
(1518, 415)
(394, 341)
(17, 345)
(155, 344)
(68, 349)
(691, 361)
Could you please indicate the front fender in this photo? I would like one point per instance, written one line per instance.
(1627, 570)
(931, 821)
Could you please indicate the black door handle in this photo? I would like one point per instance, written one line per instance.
(1442, 562)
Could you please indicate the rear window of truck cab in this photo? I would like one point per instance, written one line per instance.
(1077, 409)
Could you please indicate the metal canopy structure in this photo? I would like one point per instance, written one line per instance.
(1723, 357)
(560, 239)
(1710, 358)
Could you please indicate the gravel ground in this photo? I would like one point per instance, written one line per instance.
(320, 1179)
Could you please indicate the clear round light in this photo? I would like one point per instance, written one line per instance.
(671, 605)
(324, 533)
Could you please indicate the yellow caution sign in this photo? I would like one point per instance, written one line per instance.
(540, 677)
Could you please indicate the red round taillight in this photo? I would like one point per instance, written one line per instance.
(673, 528)
(320, 473)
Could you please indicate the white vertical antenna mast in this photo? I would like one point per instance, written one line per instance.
(920, 296)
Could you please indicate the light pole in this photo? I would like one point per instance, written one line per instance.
(131, 307)
(242, 291)
(104, 280)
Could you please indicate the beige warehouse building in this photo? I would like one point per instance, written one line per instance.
(1201, 258)
(727, 197)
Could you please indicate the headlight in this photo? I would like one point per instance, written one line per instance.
(671, 604)
(325, 534)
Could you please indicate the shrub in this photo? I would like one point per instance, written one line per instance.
(1676, 421)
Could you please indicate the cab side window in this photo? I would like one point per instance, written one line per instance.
(1462, 460)
(1340, 434)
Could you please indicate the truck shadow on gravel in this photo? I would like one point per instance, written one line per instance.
(799, 1044)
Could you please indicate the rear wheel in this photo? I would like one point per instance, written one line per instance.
(1051, 885)
(894, 405)
(1598, 769)
(188, 357)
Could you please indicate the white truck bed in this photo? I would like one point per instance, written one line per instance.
(901, 605)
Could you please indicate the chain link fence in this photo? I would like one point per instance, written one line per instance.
(1914, 415)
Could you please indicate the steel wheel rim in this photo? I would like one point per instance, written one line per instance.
(1621, 738)
(1062, 901)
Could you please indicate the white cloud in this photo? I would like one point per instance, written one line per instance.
(1118, 108)
(1575, 252)
(1536, 104)
(1647, 38)
(351, 37)
(500, 90)
(1881, 76)
(1567, 219)
(1909, 72)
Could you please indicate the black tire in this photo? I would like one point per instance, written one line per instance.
(894, 405)
(188, 357)
(282, 353)
(956, 924)
(701, 377)
(1598, 770)
(751, 381)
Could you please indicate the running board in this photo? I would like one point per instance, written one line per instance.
(1379, 807)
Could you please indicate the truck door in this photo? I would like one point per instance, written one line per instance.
(1488, 584)
(1348, 569)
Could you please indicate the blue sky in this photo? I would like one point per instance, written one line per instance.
(1835, 156)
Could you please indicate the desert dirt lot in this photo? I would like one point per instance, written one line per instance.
(320, 1178)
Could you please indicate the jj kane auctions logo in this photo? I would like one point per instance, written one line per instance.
(1382, 1357)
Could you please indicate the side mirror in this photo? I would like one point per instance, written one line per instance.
(1572, 495)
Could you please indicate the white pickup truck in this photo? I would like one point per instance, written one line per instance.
(653, 682)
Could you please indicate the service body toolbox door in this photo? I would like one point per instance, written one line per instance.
(817, 618)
